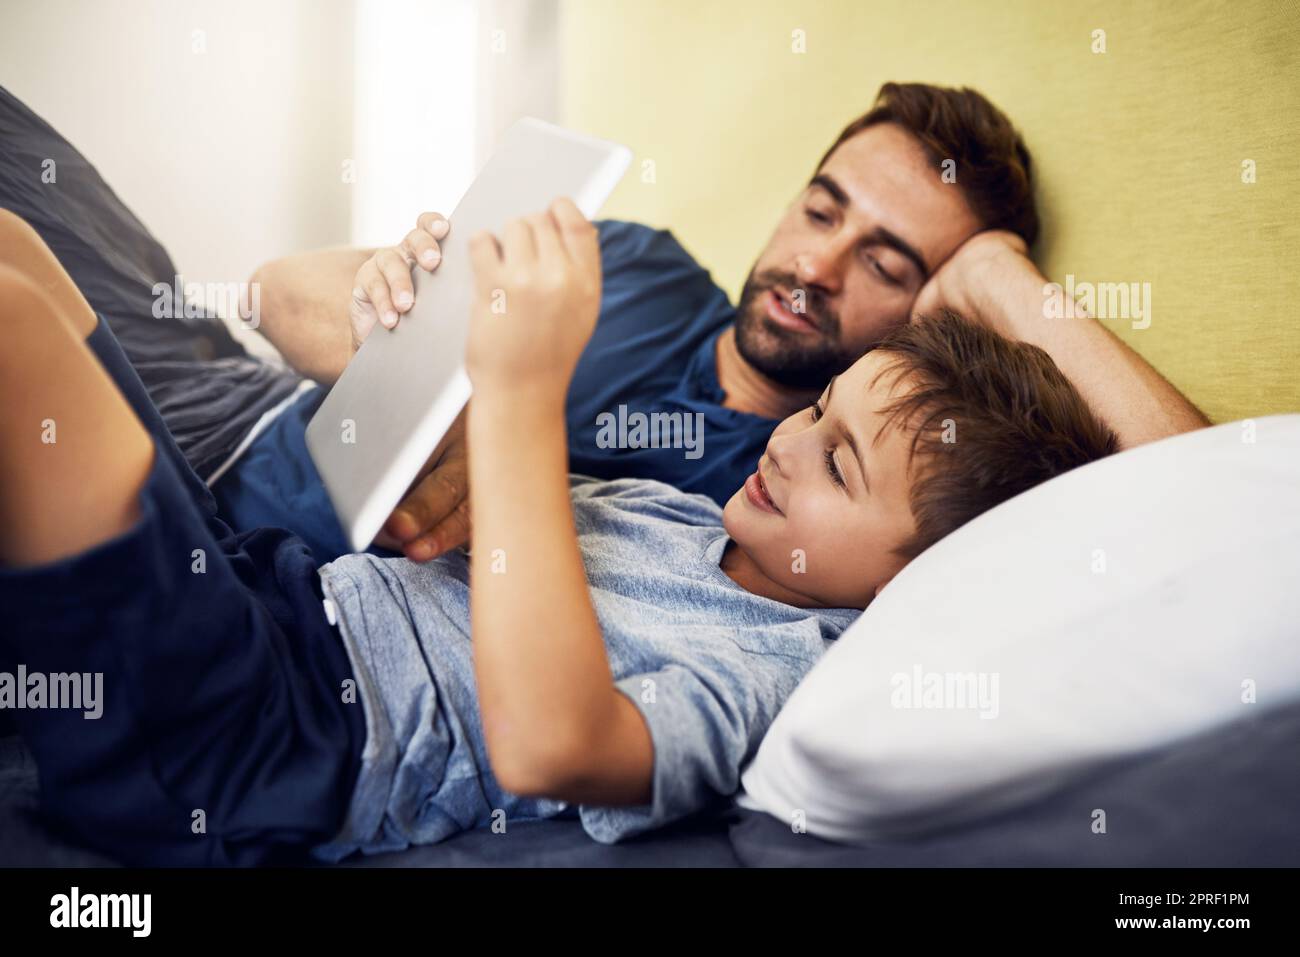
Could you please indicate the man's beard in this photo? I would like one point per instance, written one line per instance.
(797, 360)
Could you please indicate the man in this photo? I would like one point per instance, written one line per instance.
(877, 236)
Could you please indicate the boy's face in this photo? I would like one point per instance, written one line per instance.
(830, 498)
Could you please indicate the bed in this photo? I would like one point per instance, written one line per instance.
(1223, 799)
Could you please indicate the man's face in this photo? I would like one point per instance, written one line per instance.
(848, 258)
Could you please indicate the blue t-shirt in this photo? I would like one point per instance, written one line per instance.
(707, 663)
(644, 401)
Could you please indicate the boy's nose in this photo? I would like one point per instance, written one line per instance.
(780, 451)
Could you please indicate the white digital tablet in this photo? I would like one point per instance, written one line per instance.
(403, 389)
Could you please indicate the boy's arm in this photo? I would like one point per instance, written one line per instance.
(990, 278)
(554, 723)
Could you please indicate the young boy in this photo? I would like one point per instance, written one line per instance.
(624, 646)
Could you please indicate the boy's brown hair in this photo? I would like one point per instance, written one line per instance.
(991, 417)
(993, 168)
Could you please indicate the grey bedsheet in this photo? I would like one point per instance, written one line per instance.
(1226, 798)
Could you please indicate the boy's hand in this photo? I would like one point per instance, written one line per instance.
(383, 289)
(537, 296)
(434, 515)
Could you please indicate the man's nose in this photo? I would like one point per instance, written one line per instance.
(822, 268)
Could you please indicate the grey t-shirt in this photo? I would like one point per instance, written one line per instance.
(707, 663)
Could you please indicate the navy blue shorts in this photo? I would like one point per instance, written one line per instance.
(228, 733)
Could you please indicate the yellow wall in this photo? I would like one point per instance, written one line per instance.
(1139, 150)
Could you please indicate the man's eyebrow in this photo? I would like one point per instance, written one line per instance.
(880, 235)
(883, 237)
(848, 436)
(827, 183)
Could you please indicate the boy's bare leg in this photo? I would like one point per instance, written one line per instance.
(73, 455)
(23, 250)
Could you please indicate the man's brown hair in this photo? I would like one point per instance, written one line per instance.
(993, 168)
(992, 418)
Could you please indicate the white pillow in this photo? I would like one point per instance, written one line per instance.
(1122, 606)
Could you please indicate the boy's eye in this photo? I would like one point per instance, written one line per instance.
(815, 411)
(817, 217)
(834, 471)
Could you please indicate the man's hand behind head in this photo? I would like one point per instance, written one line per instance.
(972, 281)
